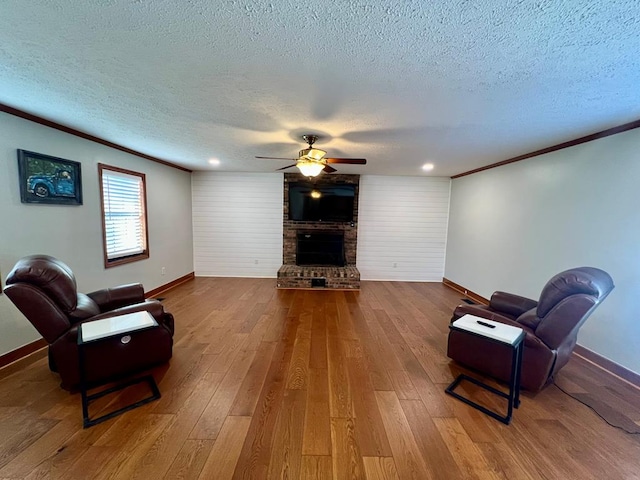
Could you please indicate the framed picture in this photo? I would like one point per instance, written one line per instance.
(46, 179)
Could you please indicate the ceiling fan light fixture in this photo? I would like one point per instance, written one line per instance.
(311, 160)
(312, 154)
(310, 168)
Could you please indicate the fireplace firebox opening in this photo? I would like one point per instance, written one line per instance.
(320, 248)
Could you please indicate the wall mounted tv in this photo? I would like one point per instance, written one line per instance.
(321, 202)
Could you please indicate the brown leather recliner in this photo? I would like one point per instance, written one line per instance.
(44, 290)
(551, 325)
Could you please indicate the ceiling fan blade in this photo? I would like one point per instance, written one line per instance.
(288, 166)
(352, 161)
(279, 158)
(329, 169)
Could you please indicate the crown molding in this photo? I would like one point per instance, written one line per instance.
(72, 131)
(554, 148)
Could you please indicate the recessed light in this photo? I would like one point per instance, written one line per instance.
(427, 167)
(214, 161)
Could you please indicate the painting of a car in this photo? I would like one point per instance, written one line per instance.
(60, 184)
(47, 179)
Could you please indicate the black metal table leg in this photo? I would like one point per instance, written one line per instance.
(87, 399)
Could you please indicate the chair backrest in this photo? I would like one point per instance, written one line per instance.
(586, 280)
(49, 274)
(566, 302)
(44, 290)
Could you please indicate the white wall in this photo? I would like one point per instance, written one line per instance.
(513, 227)
(74, 233)
(237, 224)
(402, 228)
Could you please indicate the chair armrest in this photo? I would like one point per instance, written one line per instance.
(513, 305)
(111, 298)
(531, 340)
(480, 311)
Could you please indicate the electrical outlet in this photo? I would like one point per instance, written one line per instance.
(395, 265)
(163, 271)
(255, 261)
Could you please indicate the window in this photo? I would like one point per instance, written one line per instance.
(124, 215)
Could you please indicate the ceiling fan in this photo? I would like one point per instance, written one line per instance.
(311, 161)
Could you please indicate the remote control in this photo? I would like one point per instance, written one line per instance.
(485, 324)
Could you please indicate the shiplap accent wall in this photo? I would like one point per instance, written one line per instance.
(402, 231)
(237, 224)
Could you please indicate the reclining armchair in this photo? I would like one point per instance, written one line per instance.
(551, 326)
(44, 290)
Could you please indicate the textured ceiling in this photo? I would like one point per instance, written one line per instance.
(460, 83)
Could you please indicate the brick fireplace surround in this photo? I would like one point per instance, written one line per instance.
(333, 277)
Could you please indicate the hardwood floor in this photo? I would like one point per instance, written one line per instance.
(267, 383)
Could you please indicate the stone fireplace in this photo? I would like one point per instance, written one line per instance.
(319, 254)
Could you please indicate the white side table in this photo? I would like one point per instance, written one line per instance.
(500, 333)
(91, 333)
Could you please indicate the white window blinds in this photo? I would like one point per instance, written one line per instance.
(124, 216)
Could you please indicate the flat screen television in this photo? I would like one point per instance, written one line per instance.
(321, 202)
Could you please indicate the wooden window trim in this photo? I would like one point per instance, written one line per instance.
(132, 258)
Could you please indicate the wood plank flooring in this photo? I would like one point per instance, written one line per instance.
(268, 383)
